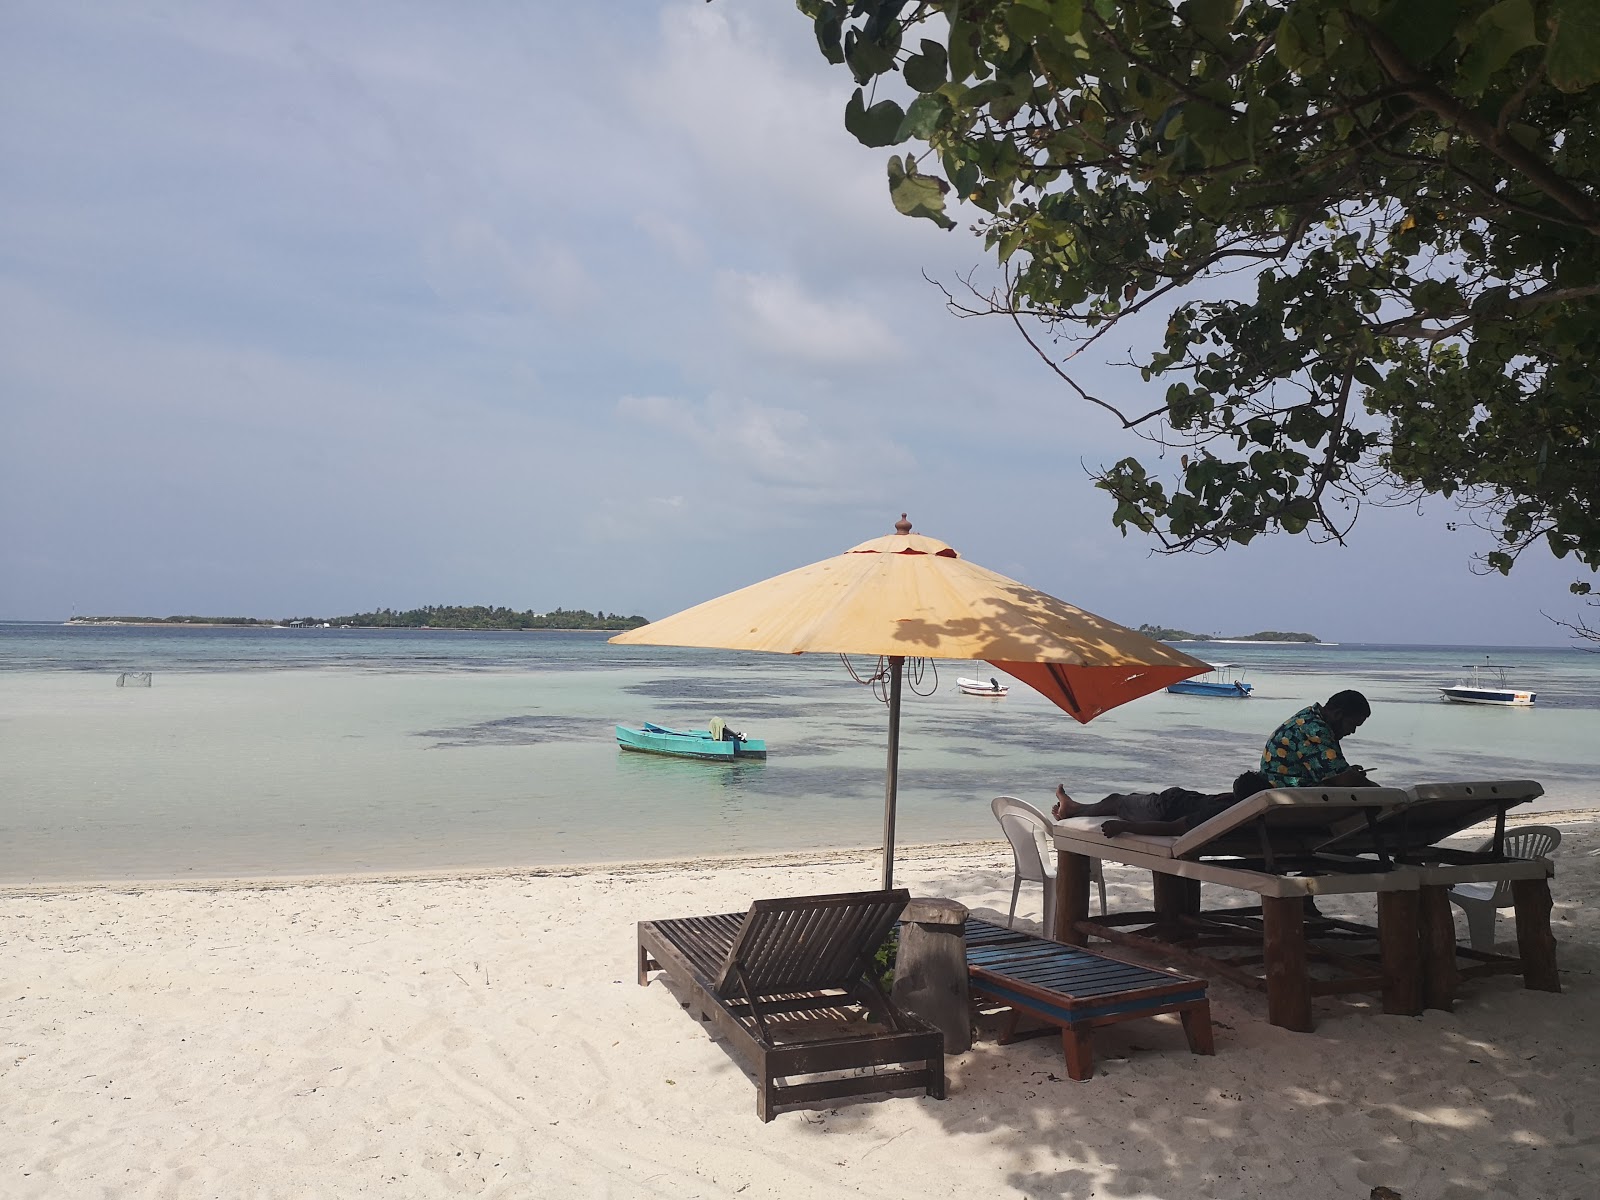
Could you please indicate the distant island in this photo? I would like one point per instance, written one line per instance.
(434, 616)
(1163, 634)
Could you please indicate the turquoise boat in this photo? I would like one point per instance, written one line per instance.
(691, 743)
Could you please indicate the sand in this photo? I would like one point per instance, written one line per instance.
(485, 1036)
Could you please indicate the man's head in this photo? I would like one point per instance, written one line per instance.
(1249, 783)
(1346, 711)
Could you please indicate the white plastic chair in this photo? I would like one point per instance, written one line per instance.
(1481, 901)
(1028, 830)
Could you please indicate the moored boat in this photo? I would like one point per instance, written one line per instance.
(1221, 681)
(1487, 685)
(978, 687)
(724, 745)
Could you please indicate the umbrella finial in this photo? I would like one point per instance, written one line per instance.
(902, 526)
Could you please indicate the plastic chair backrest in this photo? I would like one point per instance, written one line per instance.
(1530, 841)
(1028, 831)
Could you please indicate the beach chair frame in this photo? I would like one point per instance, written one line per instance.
(790, 987)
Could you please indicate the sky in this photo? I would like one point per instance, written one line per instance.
(311, 309)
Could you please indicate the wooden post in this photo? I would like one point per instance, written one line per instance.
(1437, 927)
(1530, 900)
(930, 969)
(1175, 897)
(1398, 945)
(1288, 982)
(1072, 897)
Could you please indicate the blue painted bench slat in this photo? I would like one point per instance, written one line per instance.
(1077, 990)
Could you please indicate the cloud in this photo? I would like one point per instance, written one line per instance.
(774, 313)
(779, 449)
(474, 260)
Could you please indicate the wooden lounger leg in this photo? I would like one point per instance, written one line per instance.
(1197, 1027)
(1397, 951)
(646, 963)
(1175, 898)
(1072, 897)
(1288, 981)
(1535, 943)
(1440, 979)
(1080, 1054)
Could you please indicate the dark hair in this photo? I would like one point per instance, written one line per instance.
(1350, 702)
(1249, 784)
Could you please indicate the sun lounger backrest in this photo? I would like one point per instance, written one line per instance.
(809, 942)
(1437, 811)
(1298, 820)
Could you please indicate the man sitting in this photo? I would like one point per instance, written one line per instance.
(1168, 813)
(1304, 751)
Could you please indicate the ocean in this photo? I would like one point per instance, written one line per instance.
(270, 752)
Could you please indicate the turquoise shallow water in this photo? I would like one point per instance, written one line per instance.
(265, 752)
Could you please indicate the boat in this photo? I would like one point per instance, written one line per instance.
(1487, 685)
(979, 687)
(691, 743)
(1220, 681)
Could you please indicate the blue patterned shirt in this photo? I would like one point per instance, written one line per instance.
(1302, 751)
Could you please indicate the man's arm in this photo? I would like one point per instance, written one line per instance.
(1349, 777)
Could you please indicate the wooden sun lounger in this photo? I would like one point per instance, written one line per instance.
(1269, 844)
(1077, 990)
(1411, 835)
(790, 986)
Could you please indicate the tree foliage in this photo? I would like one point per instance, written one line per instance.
(478, 616)
(1364, 233)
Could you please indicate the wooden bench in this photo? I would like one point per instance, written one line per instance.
(1077, 990)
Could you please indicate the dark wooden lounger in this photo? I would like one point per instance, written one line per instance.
(1077, 990)
(789, 985)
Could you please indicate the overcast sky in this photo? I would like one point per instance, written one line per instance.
(312, 309)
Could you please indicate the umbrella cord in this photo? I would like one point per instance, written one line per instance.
(916, 670)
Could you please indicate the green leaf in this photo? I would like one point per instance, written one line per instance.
(829, 26)
(927, 72)
(922, 118)
(1494, 39)
(1068, 15)
(875, 126)
(917, 195)
(1420, 28)
(1573, 60)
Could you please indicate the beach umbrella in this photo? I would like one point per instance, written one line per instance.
(909, 596)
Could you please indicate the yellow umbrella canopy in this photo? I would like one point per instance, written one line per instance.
(912, 596)
(909, 596)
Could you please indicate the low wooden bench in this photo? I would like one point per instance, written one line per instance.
(1077, 990)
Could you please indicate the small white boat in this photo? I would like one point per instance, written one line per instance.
(1487, 685)
(979, 687)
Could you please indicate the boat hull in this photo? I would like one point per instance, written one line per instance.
(1469, 695)
(1187, 687)
(974, 687)
(696, 743)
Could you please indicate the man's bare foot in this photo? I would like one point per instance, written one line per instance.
(1066, 806)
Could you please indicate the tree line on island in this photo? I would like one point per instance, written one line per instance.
(433, 616)
(1162, 634)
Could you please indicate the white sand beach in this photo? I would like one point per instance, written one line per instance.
(485, 1036)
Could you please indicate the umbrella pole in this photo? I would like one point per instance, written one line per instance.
(897, 666)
